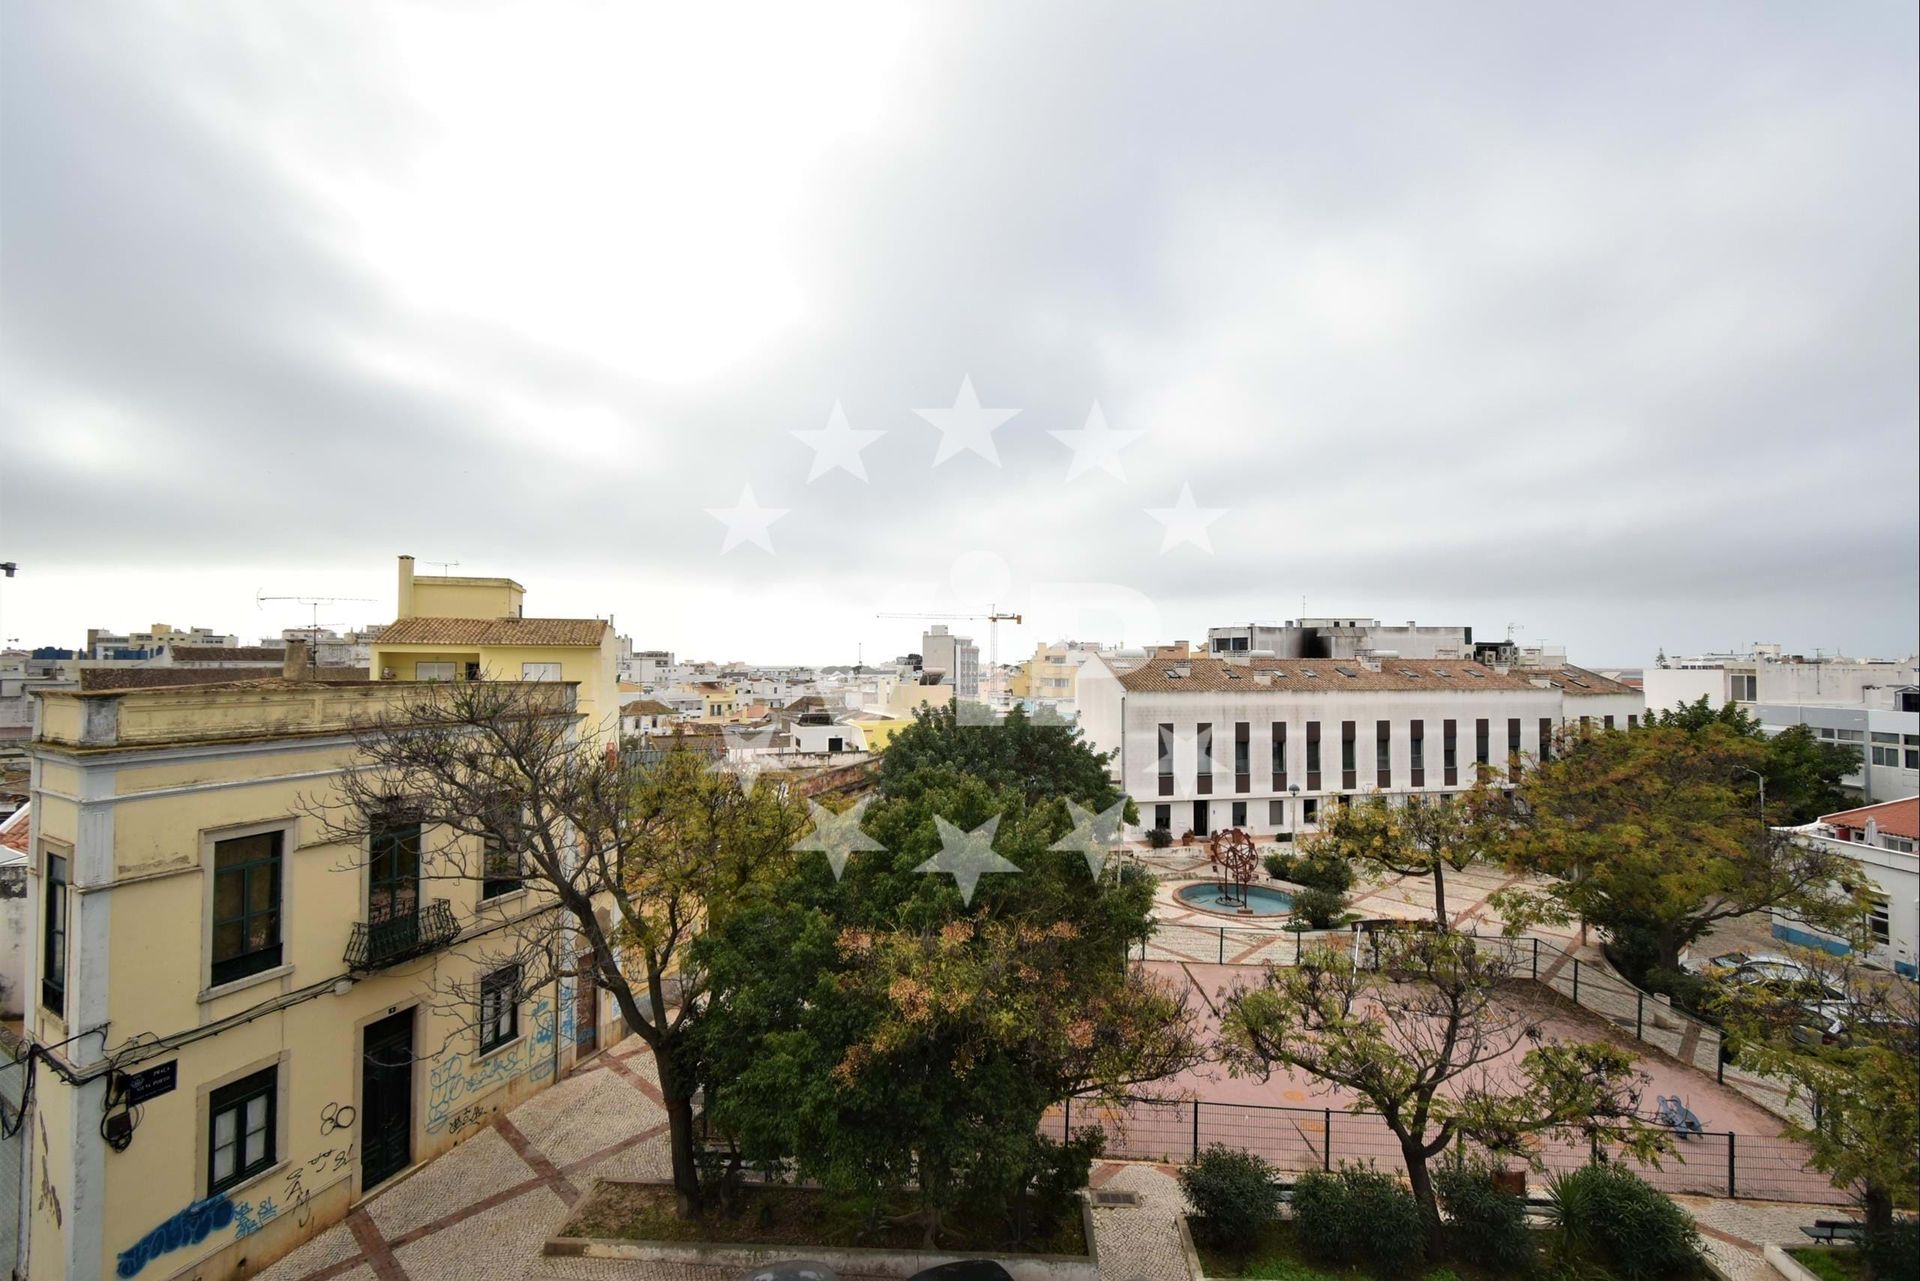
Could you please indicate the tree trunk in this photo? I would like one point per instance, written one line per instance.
(1413, 1152)
(676, 1093)
(1440, 893)
(1876, 1207)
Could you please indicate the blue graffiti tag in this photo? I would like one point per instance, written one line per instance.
(189, 1227)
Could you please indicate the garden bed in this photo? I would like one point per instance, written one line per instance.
(1278, 1257)
(1831, 1263)
(621, 1220)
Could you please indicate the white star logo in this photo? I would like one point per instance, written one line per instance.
(747, 522)
(967, 856)
(837, 445)
(1186, 521)
(1092, 833)
(1096, 446)
(966, 425)
(838, 835)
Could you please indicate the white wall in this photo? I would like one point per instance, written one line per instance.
(1667, 686)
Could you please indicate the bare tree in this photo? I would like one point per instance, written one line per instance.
(627, 853)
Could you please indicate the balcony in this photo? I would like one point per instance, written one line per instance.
(377, 944)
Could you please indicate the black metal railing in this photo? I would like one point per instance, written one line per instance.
(375, 944)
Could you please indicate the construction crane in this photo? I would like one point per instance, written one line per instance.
(993, 618)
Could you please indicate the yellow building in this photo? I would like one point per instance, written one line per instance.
(452, 629)
(242, 1025)
(1053, 673)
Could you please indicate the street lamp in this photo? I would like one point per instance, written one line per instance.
(1762, 779)
(1293, 790)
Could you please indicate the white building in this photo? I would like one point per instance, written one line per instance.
(1206, 742)
(1341, 638)
(957, 658)
(1883, 840)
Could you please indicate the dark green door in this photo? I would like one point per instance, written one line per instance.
(386, 1099)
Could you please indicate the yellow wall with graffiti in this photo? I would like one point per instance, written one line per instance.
(136, 826)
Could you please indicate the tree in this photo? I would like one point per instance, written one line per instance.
(1650, 835)
(1036, 758)
(1855, 1070)
(890, 1035)
(628, 855)
(1424, 837)
(1420, 1037)
(1804, 775)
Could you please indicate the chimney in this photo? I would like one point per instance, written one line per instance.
(294, 666)
(403, 607)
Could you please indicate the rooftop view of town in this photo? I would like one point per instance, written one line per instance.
(826, 822)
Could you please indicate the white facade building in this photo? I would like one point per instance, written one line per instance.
(1205, 742)
(956, 657)
(1883, 840)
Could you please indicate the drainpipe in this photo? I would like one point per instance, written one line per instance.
(556, 1026)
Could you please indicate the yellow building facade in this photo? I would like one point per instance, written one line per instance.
(242, 1025)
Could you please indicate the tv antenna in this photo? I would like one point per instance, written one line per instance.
(444, 565)
(314, 602)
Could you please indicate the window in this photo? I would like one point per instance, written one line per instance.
(53, 962)
(1276, 813)
(539, 671)
(1633, 720)
(1279, 756)
(393, 871)
(1309, 812)
(1313, 756)
(1240, 814)
(1242, 758)
(433, 671)
(240, 1129)
(1513, 748)
(1450, 752)
(1606, 722)
(1740, 686)
(1383, 752)
(1546, 737)
(1166, 761)
(1878, 921)
(1163, 817)
(246, 906)
(1346, 753)
(503, 871)
(1417, 751)
(1480, 742)
(499, 1008)
(1203, 758)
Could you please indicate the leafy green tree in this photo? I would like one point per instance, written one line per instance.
(1858, 1079)
(1417, 1037)
(1036, 758)
(891, 1038)
(1651, 836)
(1422, 838)
(1803, 774)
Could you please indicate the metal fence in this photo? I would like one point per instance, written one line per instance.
(1648, 1018)
(1294, 1139)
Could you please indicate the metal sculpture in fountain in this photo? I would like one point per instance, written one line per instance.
(1236, 861)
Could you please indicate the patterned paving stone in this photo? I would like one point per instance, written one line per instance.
(502, 1242)
(330, 1247)
(602, 1111)
(479, 1167)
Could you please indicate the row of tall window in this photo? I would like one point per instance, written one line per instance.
(1311, 780)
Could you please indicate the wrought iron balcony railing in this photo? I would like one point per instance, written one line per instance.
(375, 944)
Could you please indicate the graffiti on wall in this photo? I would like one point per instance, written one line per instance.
(455, 1078)
(189, 1227)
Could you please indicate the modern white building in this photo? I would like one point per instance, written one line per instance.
(1205, 742)
(1341, 638)
(957, 658)
(1884, 840)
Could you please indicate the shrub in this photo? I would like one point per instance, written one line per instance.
(1159, 837)
(1488, 1226)
(1279, 866)
(1323, 868)
(1232, 1196)
(1319, 908)
(1359, 1215)
(1612, 1216)
(1895, 1252)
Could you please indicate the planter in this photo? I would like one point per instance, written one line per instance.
(881, 1262)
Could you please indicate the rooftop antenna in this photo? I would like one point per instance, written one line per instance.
(444, 565)
(315, 602)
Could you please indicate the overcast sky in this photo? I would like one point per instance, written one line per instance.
(1595, 320)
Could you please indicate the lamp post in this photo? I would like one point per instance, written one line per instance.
(1293, 790)
(1762, 780)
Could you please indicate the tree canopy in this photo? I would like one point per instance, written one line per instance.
(1803, 774)
(1424, 837)
(1037, 758)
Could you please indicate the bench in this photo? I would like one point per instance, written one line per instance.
(1828, 1231)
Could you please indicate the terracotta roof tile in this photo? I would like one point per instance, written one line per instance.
(1895, 818)
(1578, 682)
(585, 632)
(1168, 672)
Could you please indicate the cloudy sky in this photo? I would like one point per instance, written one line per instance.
(1596, 321)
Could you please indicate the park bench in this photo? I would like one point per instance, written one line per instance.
(1828, 1231)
